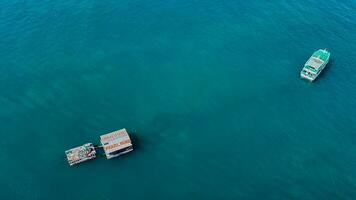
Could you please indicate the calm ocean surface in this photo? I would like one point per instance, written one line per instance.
(210, 91)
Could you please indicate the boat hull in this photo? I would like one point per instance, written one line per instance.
(303, 76)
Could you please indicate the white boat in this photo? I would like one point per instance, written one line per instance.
(315, 64)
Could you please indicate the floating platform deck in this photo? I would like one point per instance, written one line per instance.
(116, 143)
(80, 154)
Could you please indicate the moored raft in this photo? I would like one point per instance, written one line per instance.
(116, 143)
(80, 154)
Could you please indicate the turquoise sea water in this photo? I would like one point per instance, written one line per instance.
(210, 91)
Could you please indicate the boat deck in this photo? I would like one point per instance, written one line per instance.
(321, 54)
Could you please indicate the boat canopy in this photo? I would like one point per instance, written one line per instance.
(314, 62)
(116, 143)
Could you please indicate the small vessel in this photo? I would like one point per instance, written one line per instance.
(80, 154)
(316, 63)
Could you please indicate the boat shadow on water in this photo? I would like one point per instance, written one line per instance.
(136, 142)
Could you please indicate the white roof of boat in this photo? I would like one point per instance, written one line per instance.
(314, 62)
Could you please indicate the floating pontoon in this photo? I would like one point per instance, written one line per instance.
(81, 154)
(116, 143)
